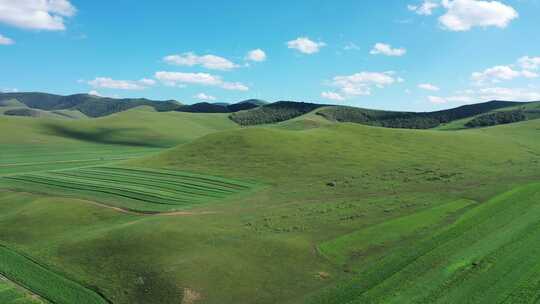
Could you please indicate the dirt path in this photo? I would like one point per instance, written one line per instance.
(135, 212)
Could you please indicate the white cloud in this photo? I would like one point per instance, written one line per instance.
(10, 90)
(332, 96)
(428, 87)
(426, 8)
(462, 15)
(386, 49)
(256, 55)
(211, 62)
(36, 14)
(203, 96)
(305, 45)
(499, 73)
(437, 99)
(513, 94)
(6, 41)
(109, 83)
(234, 86)
(362, 83)
(529, 63)
(182, 79)
(95, 93)
(487, 94)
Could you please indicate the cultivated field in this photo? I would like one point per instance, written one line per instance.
(11, 293)
(132, 189)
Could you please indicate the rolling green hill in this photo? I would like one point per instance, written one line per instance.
(341, 212)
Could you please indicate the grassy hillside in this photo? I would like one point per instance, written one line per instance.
(341, 209)
(32, 143)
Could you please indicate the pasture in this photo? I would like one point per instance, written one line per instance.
(303, 211)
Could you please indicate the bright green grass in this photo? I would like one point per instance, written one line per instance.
(13, 294)
(38, 144)
(261, 246)
(487, 256)
(356, 245)
(51, 286)
(134, 189)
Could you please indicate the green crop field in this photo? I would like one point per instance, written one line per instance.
(170, 207)
(134, 189)
(50, 286)
(11, 293)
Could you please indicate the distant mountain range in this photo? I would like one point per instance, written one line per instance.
(89, 105)
(255, 112)
(96, 106)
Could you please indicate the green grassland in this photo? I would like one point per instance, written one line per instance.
(11, 293)
(306, 210)
(33, 144)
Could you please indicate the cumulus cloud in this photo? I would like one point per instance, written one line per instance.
(109, 83)
(305, 45)
(6, 41)
(332, 96)
(203, 96)
(499, 73)
(386, 49)
(462, 15)
(513, 94)
(256, 55)
(487, 94)
(95, 93)
(428, 87)
(183, 79)
(437, 99)
(46, 15)
(529, 63)
(426, 8)
(211, 62)
(361, 84)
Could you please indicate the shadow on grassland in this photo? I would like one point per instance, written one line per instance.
(113, 136)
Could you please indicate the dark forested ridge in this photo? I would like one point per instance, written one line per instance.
(274, 112)
(496, 118)
(205, 107)
(409, 120)
(90, 105)
(285, 110)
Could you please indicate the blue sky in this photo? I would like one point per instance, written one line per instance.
(401, 55)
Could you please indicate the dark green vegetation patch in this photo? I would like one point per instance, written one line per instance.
(496, 118)
(408, 120)
(135, 189)
(274, 112)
